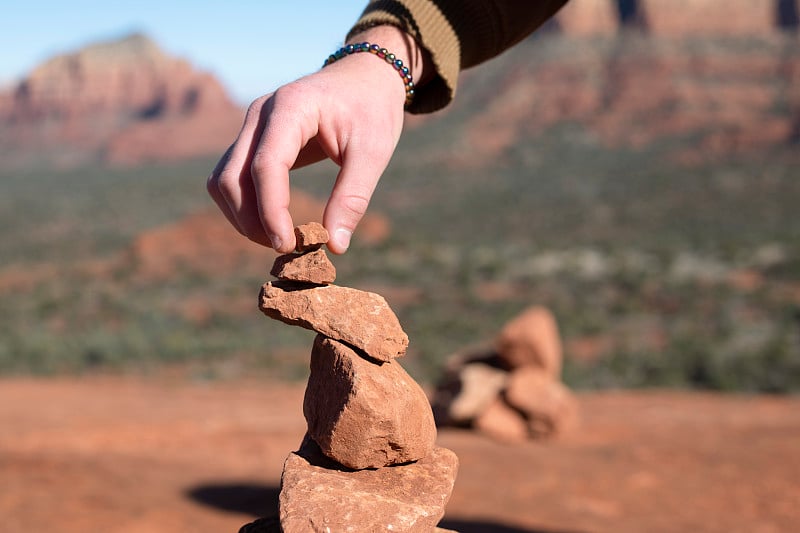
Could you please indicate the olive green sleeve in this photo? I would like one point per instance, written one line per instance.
(457, 34)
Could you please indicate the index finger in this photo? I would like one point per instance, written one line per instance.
(287, 129)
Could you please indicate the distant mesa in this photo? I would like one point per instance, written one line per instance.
(124, 101)
(679, 18)
(127, 101)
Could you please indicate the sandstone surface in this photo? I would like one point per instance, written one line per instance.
(363, 414)
(548, 405)
(588, 17)
(674, 17)
(531, 339)
(309, 267)
(310, 236)
(125, 99)
(273, 525)
(317, 495)
(502, 422)
(358, 318)
(479, 385)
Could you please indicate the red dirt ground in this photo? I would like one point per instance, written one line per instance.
(129, 455)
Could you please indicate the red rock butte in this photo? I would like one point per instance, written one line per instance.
(124, 101)
(679, 17)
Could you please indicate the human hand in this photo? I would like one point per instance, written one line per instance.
(351, 112)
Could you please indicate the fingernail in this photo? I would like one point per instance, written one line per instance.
(342, 238)
(276, 241)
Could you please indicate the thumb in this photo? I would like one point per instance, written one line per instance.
(350, 198)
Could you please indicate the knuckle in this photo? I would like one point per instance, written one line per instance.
(211, 185)
(227, 181)
(295, 96)
(254, 109)
(260, 164)
(354, 205)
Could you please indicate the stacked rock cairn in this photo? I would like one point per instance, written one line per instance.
(368, 461)
(510, 391)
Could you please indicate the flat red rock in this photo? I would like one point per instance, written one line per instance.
(317, 495)
(361, 319)
(310, 236)
(309, 267)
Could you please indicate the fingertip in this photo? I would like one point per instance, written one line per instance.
(283, 243)
(340, 240)
(279, 230)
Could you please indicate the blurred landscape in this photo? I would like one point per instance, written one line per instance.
(634, 167)
(640, 181)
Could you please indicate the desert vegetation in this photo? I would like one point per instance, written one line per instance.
(669, 259)
(659, 275)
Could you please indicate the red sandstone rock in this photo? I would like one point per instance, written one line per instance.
(359, 318)
(310, 267)
(125, 98)
(451, 386)
(273, 525)
(480, 384)
(531, 339)
(548, 405)
(687, 17)
(310, 236)
(709, 17)
(588, 17)
(362, 414)
(317, 495)
(501, 422)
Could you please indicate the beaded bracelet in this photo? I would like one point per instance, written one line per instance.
(382, 53)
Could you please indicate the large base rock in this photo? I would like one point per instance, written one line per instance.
(363, 414)
(317, 495)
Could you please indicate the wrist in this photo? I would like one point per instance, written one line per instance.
(402, 45)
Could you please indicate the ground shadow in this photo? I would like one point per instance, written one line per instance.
(262, 501)
(248, 498)
(483, 526)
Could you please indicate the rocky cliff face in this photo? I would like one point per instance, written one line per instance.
(699, 78)
(679, 17)
(124, 101)
(725, 72)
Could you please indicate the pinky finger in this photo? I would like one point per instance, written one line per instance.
(212, 186)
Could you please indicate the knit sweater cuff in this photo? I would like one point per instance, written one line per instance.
(423, 21)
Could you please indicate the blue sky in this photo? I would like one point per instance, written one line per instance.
(252, 46)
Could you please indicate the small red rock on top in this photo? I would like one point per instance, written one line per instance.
(310, 236)
(308, 267)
